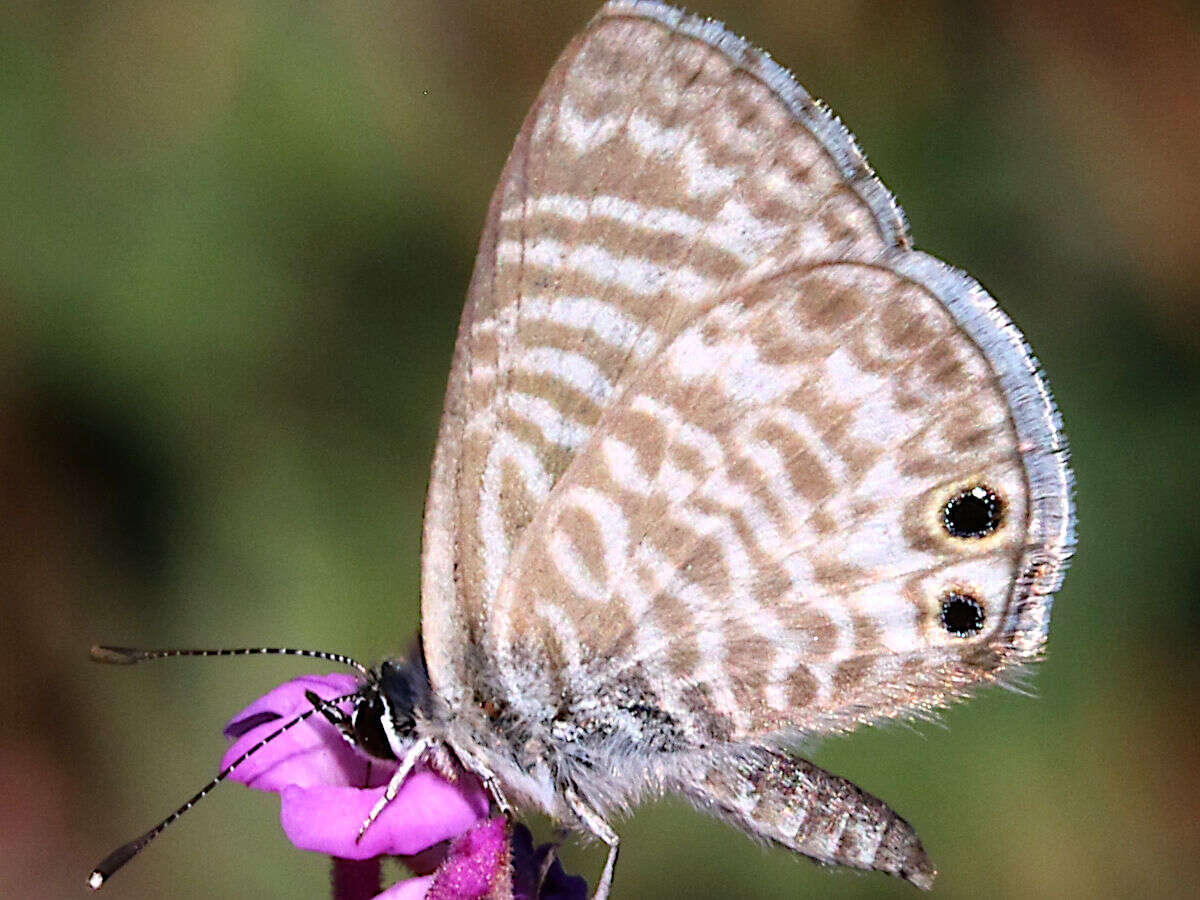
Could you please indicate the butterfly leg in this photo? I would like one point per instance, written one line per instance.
(411, 758)
(490, 781)
(493, 786)
(594, 823)
(544, 869)
(560, 835)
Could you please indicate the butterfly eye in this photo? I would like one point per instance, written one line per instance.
(973, 513)
(962, 614)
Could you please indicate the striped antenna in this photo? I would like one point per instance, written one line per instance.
(125, 656)
(126, 852)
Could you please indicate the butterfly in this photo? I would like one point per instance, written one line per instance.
(724, 465)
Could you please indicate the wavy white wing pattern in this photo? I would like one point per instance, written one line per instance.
(706, 410)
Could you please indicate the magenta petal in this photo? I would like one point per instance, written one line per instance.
(427, 810)
(327, 789)
(477, 863)
(288, 698)
(311, 753)
(408, 889)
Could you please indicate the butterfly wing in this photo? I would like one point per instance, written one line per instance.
(757, 534)
(639, 190)
(706, 409)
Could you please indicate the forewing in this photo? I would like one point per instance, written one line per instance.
(665, 164)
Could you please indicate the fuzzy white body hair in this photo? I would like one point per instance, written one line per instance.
(612, 772)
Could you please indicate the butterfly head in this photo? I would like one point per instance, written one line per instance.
(385, 709)
(383, 722)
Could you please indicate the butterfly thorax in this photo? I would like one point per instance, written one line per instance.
(593, 733)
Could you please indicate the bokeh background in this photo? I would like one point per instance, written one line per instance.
(234, 243)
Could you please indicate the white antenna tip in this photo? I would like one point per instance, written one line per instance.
(95, 881)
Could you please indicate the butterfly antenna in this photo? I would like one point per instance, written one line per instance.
(126, 656)
(126, 852)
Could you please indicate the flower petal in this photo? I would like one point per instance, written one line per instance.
(288, 698)
(408, 889)
(311, 753)
(427, 809)
(477, 863)
(328, 788)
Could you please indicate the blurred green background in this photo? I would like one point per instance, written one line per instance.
(234, 244)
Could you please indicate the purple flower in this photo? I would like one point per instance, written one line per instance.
(326, 789)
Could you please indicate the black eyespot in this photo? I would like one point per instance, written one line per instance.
(962, 614)
(973, 513)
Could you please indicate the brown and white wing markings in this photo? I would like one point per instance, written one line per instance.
(706, 406)
(756, 534)
(663, 165)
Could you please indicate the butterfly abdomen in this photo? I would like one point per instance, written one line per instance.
(789, 801)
